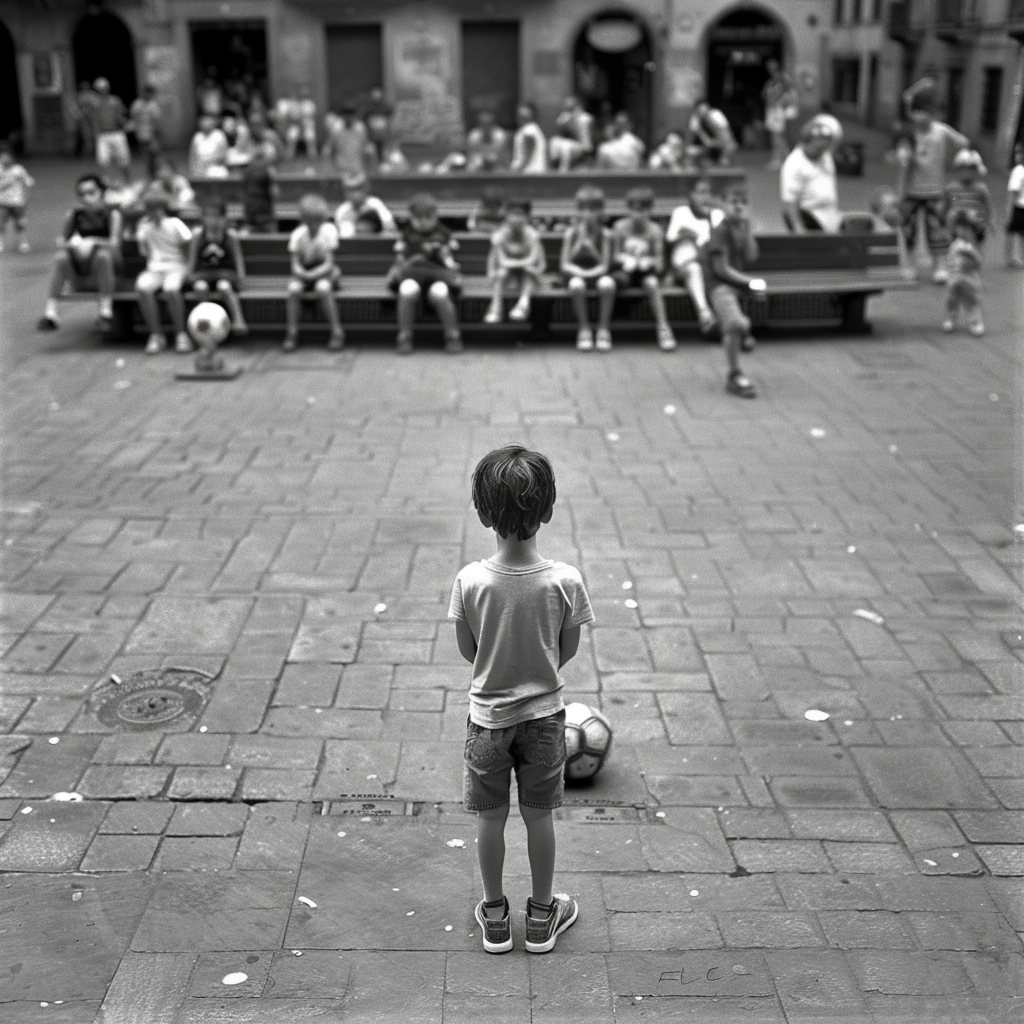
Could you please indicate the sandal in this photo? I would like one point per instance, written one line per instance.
(706, 321)
(737, 384)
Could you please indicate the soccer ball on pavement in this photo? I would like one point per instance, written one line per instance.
(209, 324)
(588, 740)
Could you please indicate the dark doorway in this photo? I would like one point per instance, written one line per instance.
(872, 111)
(102, 47)
(354, 64)
(234, 55)
(10, 96)
(490, 70)
(739, 46)
(613, 70)
(954, 94)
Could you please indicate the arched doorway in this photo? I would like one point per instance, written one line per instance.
(738, 47)
(613, 68)
(10, 95)
(102, 48)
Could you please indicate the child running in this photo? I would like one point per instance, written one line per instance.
(638, 256)
(163, 241)
(688, 230)
(424, 261)
(963, 263)
(215, 261)
(585, 264)
(15, 182)
(517, 620)
(516, 258)
(730, 248)
(1015, 225)
(312, 245)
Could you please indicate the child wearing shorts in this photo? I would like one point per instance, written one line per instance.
(1015, 225)
(689, 229)
(963, 261)
(730, 247)
(424, 262)
(638, 258)
(517, 620)
(215, 261)
(312, 245)
(516, 258)
(163, 240)
(585, 265)
(15, 182)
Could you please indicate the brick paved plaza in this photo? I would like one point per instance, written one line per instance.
(294, 534)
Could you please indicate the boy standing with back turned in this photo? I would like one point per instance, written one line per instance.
(517, 619)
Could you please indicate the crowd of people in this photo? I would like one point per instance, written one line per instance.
(940, 206)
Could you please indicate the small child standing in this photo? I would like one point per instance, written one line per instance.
(516, 257)
(215, 261)
(967, 191)
(638, 256)
(963, 261)
(689, 229)
(730, 248)
(163, 241)
(424, 261)
(1015, 225)
(586, 264)
(517, 620)
(15, 182)
(312, 246)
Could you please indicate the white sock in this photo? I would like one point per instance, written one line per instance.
(50, 310)
(106, 306)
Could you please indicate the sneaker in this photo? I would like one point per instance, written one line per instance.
(155, 343)
(453, 343)
(336, 342)
(585, 339)
(497, 934)
(182, 342)
(738, 384)
(977, 328)
(748, 343)
(542, 933)
(520, 311)
(290, 343)
(948, 326)
(404, 345)
(603, 340)
(941, 275)
(47, 323)
(666, 339)
(493, 314)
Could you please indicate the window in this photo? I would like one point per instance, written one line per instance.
(855, 16)
(837, 17)
(845, 79)
(991, 93)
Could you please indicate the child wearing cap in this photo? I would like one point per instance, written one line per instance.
(516, 258)
(312, 245)
(638, 258)
(424, 262)
(730, 248)
(163, 241)
(968, 191)
(963, 264)
(586, 265)
(216, 262)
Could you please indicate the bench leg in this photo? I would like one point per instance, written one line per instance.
(854, 308)
(540, 319)
(124, 319)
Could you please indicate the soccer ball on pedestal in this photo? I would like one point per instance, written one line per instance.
(209, 325)
(588, 740)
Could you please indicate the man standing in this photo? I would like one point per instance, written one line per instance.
(144, 120)
(109, 118)
(780, 106)
(810, 198)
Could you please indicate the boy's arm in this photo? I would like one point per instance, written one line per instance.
(193, 253)
(728, 273)
(568, 644)
(467, 642)
(236, 251)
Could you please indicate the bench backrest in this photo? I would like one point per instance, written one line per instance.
(397, 189)
(267, 255)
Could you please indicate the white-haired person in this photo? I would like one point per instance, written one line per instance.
(807, 180)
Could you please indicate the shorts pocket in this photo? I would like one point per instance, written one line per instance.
(483, 754)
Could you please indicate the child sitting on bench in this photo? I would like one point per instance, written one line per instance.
(586, 264)
(688, 230)
(215, 261)
(163, 240)
(516, 257)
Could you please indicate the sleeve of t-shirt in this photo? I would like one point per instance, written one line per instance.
(577, 610)
(1016, 181)
(181, 229)
(330, 236)
(456, 609)
(293, 239)
(790, 181)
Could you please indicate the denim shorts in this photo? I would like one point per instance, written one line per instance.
(536, 749)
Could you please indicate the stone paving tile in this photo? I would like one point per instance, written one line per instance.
(869, 858)
(813, 983)
(1003, 860)
(656, 893)
(44, 769)
(277, 784)
(770, 929)
(120, 782)
(199, 819)
(974, 932)
(857, 929)
(779, 855)
(191, 783)
(50, 837)
(895, 972)
(128, 748)
(194, 749)
(189, 853)
(120, 853)
(140, 817)
(808, 791)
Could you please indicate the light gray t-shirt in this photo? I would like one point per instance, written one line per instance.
(517, 616)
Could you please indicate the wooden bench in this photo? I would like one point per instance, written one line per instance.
(819, 281)
(458, 193)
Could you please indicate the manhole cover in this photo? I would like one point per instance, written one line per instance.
(171, 699)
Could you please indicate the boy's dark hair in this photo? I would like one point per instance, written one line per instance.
(6, 147)
(590, 197)
(520, 203)
(215, 206)
(492, 199)
(640, 197)
(372, 219)
(513, 488)
(924, 101)
(738, 190)
(94, 179)
(422, 204)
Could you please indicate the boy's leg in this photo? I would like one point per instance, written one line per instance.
(605, 301)
(540, 846)
(61, 272)
(292, 304)
(521, 310)
(735, 327)
(490, 841)
(693, 278)
(441, 299)
(146, 287)
(234, 304)
(176, 307)
(657, 302)
(408, 299)
(578, 294)
(103, 270)
(325, 289)
(494, 311)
